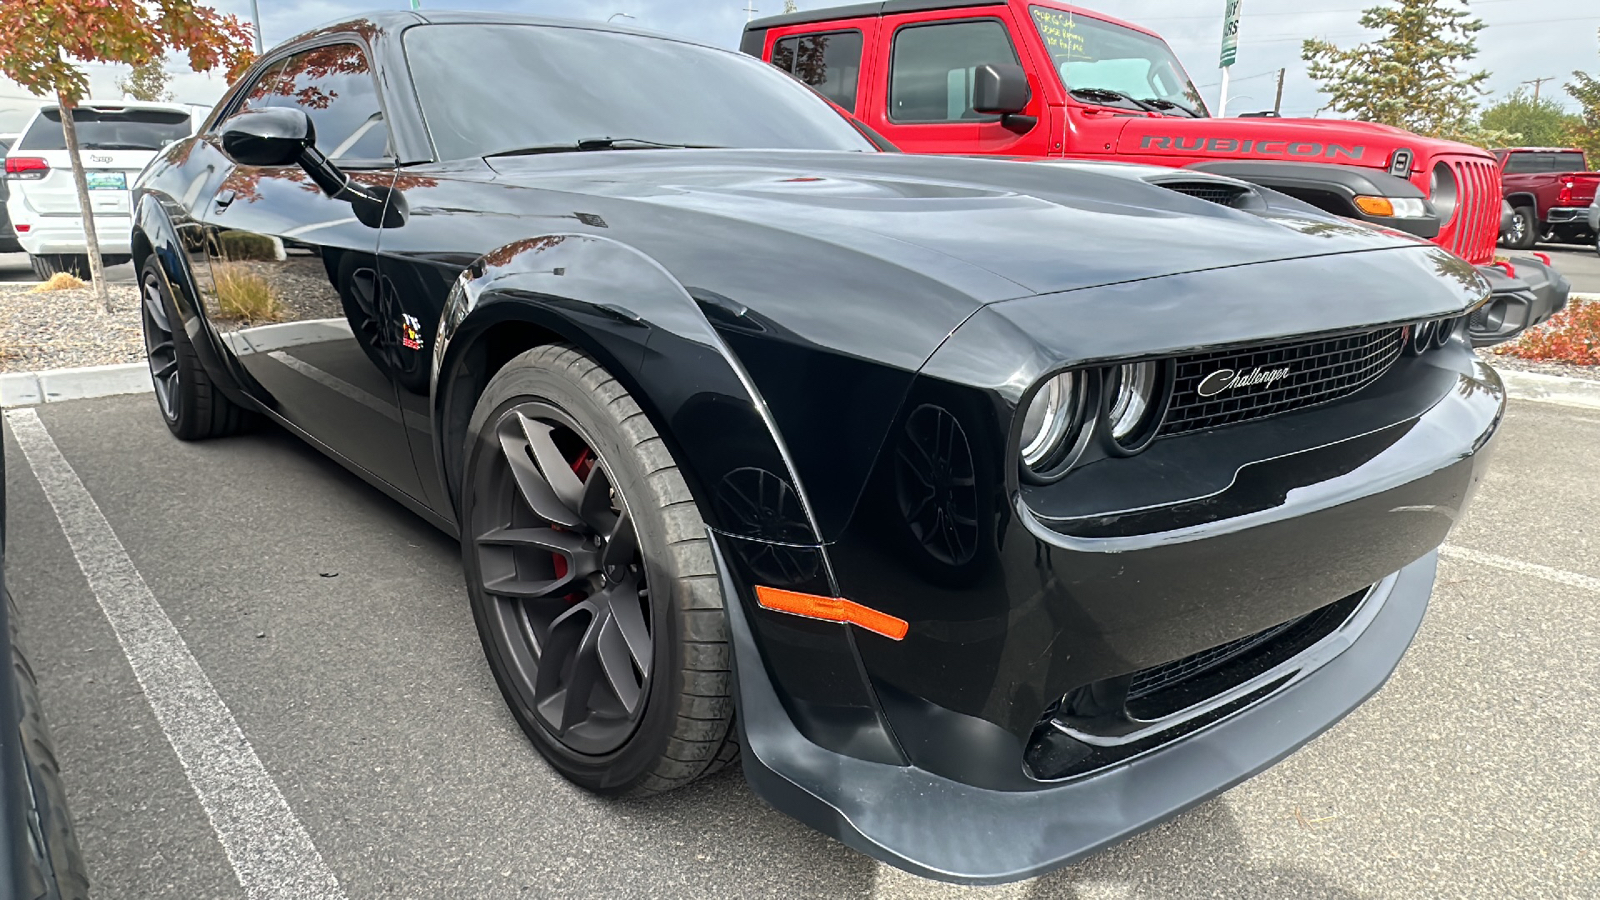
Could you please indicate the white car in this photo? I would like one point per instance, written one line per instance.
(116, 140)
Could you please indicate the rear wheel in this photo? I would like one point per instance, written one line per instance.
(591, 580)
(46, 265)
(1524, 229)
(191, 405)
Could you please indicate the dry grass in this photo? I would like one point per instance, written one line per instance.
(245, 295)
(60, 281)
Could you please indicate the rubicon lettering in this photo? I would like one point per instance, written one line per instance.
(1301, 149)
(1228, 379)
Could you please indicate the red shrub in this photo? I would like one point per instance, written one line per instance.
(1570, 336)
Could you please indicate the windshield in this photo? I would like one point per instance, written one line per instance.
(1093, 55)
(490, 89)
(1531, 163)
(108, 129)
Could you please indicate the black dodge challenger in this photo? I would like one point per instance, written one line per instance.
(991, 512)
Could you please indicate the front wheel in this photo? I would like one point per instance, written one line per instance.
(191, 405)
(591, 580)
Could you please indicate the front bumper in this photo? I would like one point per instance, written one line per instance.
(937, 781)
(1535, 293)
(944, 829)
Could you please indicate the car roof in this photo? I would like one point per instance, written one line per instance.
(399, 20)
(896, 7)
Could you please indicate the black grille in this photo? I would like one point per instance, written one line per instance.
(1148, 681)
(1318, 371)
(1220, 194)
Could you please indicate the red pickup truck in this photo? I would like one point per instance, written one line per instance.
(1040, 79)
(1550, 190)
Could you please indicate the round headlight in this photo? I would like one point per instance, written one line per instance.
(1049, 417)
(1422, 337)
(1445, 330)
(1135, 401)
(1442, 191)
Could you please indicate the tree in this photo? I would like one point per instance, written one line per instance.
(1585, 130)
(1410, 77)
(147, 82)
(790, 6)
(42, 42)
(1530, 122)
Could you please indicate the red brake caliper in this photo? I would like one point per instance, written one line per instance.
(581, 467)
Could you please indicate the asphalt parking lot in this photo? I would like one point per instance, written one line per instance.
(333, 626)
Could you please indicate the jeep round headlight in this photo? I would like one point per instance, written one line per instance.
(1051, 414)
(1442, 191)
(1135, 399)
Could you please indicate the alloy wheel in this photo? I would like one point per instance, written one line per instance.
(160, 348)
(558, 555)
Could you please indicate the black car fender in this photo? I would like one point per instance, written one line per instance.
(621, 307)
(154, 233)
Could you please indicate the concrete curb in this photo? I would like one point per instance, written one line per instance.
(52, 385)
(1558, 389)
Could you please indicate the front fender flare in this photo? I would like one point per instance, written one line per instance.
(622, 307)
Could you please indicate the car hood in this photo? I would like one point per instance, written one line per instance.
(1038, 229)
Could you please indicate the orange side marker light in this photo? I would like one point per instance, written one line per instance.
(832, 609)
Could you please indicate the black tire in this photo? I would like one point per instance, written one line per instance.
(681, 727)
(49, 264)
(193, 407)
(62, 856)
(1524, 229)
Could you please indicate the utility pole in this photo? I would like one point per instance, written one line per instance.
(750, 10)
(1277, 102)
(1536, 82)
(255, 19)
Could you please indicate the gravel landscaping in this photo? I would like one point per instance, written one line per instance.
(67, 329)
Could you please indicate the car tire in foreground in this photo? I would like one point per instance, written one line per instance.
(57, 851)
(191, 405)
(592, 581)
(47, 265)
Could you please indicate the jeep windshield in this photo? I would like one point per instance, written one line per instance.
(108, 128)
(1109, 65)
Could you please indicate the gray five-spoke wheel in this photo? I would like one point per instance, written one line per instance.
(558, 555)
(160, 349)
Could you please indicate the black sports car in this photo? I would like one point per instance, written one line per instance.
(992, 511)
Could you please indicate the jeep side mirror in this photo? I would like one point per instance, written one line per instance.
(268, 137)
(1000, 88)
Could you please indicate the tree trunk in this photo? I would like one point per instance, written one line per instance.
(81, 181)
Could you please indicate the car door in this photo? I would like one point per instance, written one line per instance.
(922, 100)
(295, 289)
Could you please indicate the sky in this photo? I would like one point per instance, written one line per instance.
(1525, 39)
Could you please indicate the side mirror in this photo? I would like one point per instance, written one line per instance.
(268, 137)
(1000, 88)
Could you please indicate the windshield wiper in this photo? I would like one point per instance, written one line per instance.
(1170, 104)
(598, 143)
(1107, 96)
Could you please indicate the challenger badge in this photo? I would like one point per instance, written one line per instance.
(1228, 379)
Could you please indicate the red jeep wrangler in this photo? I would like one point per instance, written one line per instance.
(1041, 79)
(1549, 190)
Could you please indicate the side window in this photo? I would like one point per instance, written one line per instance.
(930, 71)
(261, 93)
(334, 86)
(829, 62)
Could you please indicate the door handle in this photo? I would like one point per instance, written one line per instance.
(224, 199)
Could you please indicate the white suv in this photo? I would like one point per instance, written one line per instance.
(116, 140)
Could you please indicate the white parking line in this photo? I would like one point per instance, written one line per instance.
(271, 853)
(1559, 576)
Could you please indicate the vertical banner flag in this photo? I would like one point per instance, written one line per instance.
(1230, 34)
